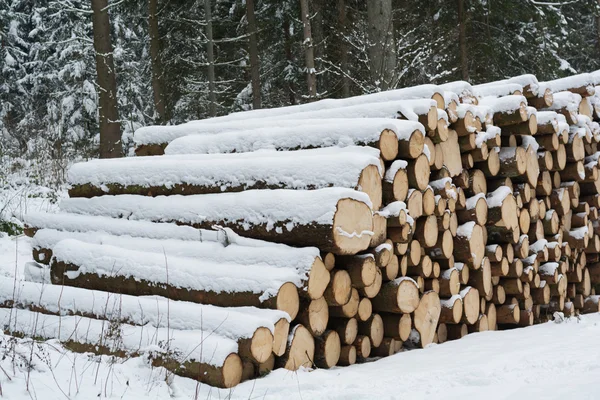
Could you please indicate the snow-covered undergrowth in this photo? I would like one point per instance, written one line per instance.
(26, 186)
(549, 361)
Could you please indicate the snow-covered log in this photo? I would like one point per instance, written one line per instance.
(567, 104)
(543, 99)
(306, 261)
(119, 227)
(351, 167)
(156, 135)
(463, 89)
(110, 268)
(423, 111)
(498, 89)
(196, 354)
(253, 329)
(508, 110)
(333, 219)
(581, 84)
(390, 136)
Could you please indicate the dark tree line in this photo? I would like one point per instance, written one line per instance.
(79, 76)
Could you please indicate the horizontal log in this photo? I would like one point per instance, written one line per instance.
(220, 173)
(333, 219)
(196, 354)
(306, 261)
(113, 269)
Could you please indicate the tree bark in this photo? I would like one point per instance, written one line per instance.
(110, 126)
(156, 63)
(309, 52)
(343, 47)
(382, 47)
(462, 40)
(289, 58)
(253, 50)
(212, 100)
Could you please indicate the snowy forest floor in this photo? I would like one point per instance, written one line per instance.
(549, 361)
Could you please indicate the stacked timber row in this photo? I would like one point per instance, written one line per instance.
(331, 232)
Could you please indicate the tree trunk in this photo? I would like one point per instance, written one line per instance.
(110, 126)
(381, 50)
(155, 60)
(462, 40)
(318, 38)
(212, 100)
(289, 57)
(343, 47)
(309, 52)
(253, 50)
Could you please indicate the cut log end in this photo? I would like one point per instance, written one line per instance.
(282, 330)
(261, 345)
(288, 299)
(352, 227)
(388, 145)
(301, 350)
(370, 183)
(318, 279)
(232, 371)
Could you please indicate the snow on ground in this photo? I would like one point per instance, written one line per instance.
(549, 361)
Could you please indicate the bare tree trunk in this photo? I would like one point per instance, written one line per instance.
(382, 46)
(309, 54)
(212, 100)
(110, 126)
(254, 66)
(156, 62)
(462, 41)
(343, 47)
(287, 40)
(598, 29)
(318, 36)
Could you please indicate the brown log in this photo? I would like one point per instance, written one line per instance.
(347, 328)
(327, 349)
(398, 296)
(300, 351)
(339, 290)
(426, 317)
(348, 355)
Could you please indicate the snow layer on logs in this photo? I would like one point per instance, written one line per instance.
(295, 135)
(294, 207)
(391, 172)
(193, 345)
(406, 109)
(490, 133)
(497, 89)
(545, 117)
(110, 261)
(503, 104)
(157, 134)
(496, 198)
(461, 88)
(303, 169)
(231, 322)
(567, 100)
(273, 254)
(570, 82)
(121, 227)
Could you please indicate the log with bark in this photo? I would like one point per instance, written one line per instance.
(333, 219)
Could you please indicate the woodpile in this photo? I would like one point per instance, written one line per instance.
(336, 231)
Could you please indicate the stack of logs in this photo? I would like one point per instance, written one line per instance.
(480, 212)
